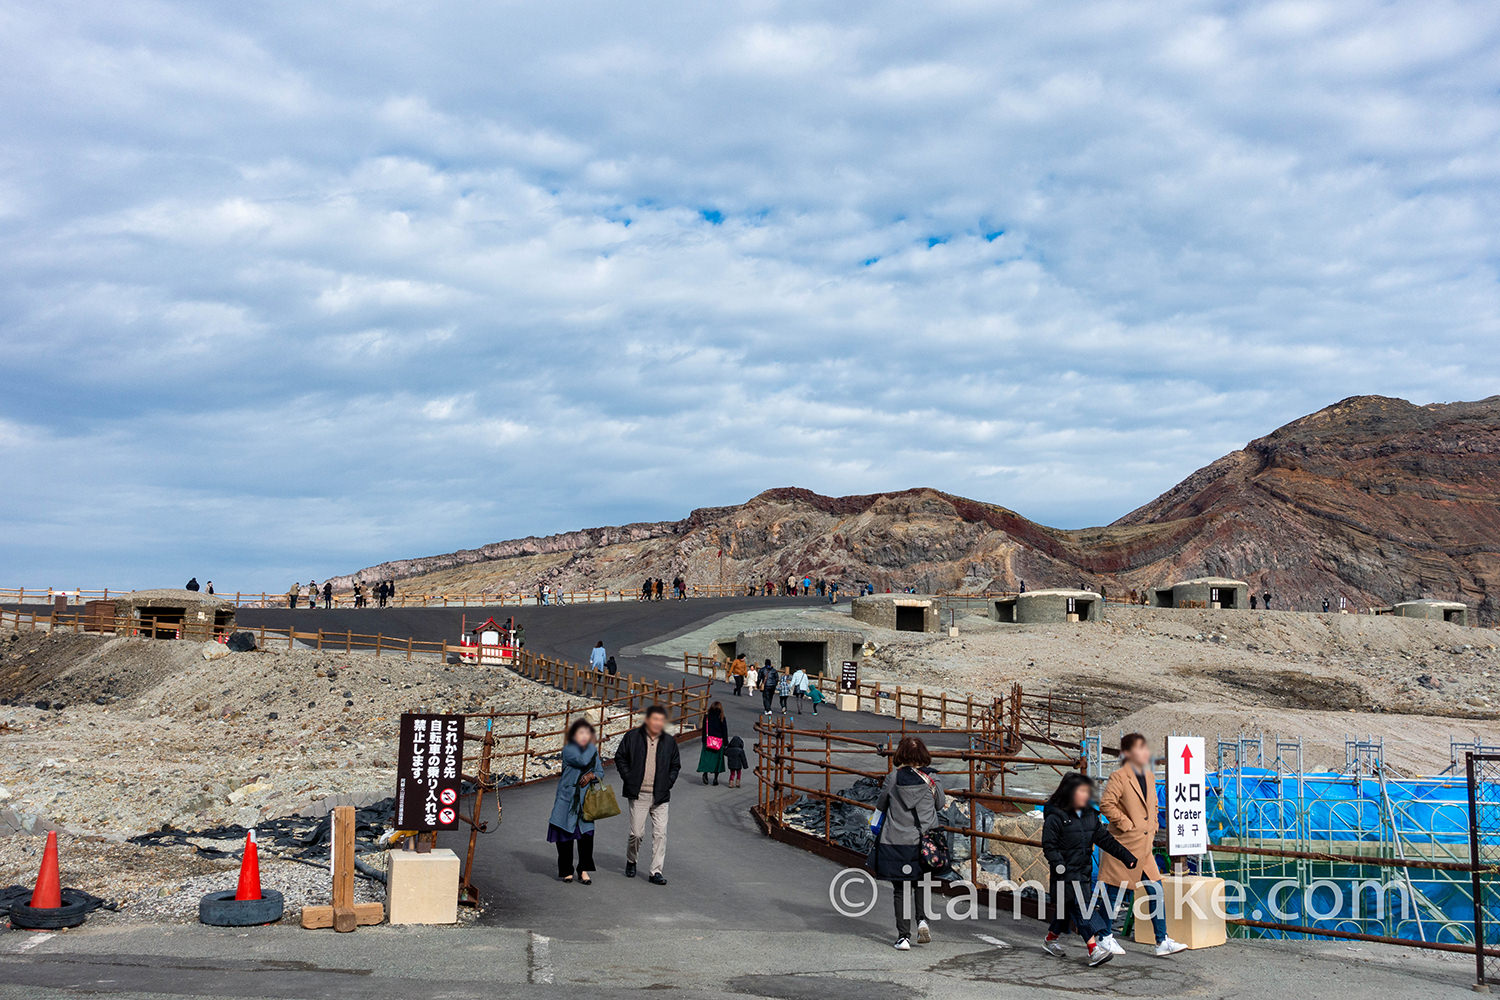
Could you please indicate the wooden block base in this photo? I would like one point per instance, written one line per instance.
(345, 919)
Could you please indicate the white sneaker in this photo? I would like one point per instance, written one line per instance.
(903, 944)
(924, 933)
(1114, 946)
(1054, 946)
(1169, 947)
(1100, 954)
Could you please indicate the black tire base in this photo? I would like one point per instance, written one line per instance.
(221, 909)
(73, 911)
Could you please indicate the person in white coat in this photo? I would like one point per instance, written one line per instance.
(800, 684)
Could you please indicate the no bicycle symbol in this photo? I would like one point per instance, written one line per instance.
(449, 796)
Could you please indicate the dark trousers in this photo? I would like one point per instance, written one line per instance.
(901, 890)
(766, 694)
(585, 855)
(739, 686)
(1067, 909)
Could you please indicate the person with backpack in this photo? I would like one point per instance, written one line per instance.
(765, 679)
(907, 815)
(581, 767)
(1071, 829)
(799, 687)
(715, 735)
(736, 761)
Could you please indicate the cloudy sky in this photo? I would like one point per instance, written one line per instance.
(289, 289)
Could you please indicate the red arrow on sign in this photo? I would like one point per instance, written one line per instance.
(1187, 759)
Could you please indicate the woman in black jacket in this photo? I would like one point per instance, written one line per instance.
(1071, 829)
(715, 735)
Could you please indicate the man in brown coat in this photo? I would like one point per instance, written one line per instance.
(1129, 803)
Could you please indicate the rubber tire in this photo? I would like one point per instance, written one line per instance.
(221, 909)
(73, 911)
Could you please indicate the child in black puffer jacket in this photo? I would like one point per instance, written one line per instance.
(1071, 829)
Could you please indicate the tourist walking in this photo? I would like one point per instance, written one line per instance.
(765, 679)
(784, 687)
(648, 763)
(581, 767)
(328, 594)
(715, 736)
(1071, 829)
(1129, 803)
(292, 593)
(738, 669)
(907, 813)
(736, 761)
(597, 657)
(611, 667)
(799, 687)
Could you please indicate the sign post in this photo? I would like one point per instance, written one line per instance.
(428, 772)
(849, 686)
(1187, 822)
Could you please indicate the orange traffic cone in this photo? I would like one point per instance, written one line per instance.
(48, 892)
(249, 887)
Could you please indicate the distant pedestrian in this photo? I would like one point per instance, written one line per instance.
(791, 585)
(784, 687)
(328, 594)
(648, 762)
(312, 594)
(1325, 605)
(292, 593)
(192, 585)
(1071, 829)
(646, 589)
(1265, 600)
(210, 587)
(659, 588)
(736, 761)
(1023, 587)
(765, 679)
(815, 696)
(1253, 600)
(598, 657)
(738, 669)
(799, 687)
(909, 805)
(715, 736)
(611, 667)
(581, 767)
(679, 588)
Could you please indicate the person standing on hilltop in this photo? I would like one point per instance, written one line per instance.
(192, 585)
(292, 593)
(312, 594)
(1265, 600)
(210, 587)
(328, 594)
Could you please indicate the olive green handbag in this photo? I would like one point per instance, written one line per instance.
(598, 803)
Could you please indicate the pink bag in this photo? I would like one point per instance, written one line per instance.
(714, 742)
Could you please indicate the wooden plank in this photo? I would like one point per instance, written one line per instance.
(321, 917)
(343, 869)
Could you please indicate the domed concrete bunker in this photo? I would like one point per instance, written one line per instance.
(899, 612)
(1048, 606)
(1204, 592)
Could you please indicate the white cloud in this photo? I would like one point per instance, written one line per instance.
(537, 268)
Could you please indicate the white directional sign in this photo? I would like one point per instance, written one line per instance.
(1187, 821)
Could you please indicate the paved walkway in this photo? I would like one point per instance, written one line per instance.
(742, 915)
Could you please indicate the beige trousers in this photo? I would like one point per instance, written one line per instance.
(640, 810)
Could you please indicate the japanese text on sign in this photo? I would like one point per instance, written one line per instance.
(1187, 824)
(428, 771)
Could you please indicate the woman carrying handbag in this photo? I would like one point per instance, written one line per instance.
(715, 736)
(581, 770)
(909, 837)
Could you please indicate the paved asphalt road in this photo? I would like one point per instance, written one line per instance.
(742, 915)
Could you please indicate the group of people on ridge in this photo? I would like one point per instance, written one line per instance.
(383, 591)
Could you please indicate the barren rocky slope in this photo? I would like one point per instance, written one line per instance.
(1373, 499)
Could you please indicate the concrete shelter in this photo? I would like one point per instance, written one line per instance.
(816, 650)
(176, 614)
(1204, 592)
(899, 612)
(1046, 606)
(1455, 612)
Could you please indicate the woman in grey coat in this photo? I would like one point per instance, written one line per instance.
(581, 767)
(909, 802)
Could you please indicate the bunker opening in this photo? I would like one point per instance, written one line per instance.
(911, 619)
(159, 622)
(808, 656)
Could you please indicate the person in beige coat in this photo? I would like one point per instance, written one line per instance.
(1129, 803)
